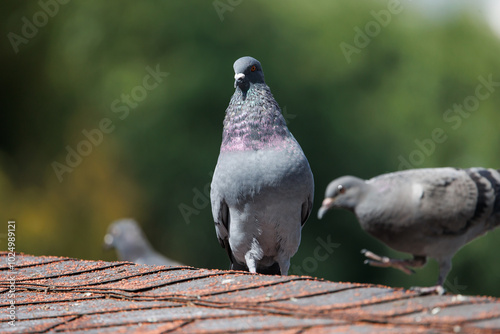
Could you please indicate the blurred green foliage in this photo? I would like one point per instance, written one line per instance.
(359, 117)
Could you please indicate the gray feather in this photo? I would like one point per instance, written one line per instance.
(130, 243)
(429, 212)
(262, 187)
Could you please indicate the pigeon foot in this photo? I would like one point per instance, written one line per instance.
(429, 290)
(386, 262)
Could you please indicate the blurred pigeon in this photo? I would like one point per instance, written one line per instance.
(262, 187)
(131, 244)
(429, 212)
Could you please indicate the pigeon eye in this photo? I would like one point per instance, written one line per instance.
(341, 189)
(253, 68)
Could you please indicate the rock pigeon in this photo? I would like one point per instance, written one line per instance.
(429, 212)
(127, 238)
(262, 187)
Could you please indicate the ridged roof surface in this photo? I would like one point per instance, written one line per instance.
(55, 294)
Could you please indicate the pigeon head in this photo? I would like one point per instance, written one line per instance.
(344, 192)
(247, 71)
(125, 236)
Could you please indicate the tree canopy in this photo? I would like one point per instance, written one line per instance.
(114, 109)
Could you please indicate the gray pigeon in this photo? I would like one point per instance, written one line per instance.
(127, 238)
(430, 212)
(262, 187)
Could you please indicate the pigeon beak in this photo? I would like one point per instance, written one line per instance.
(108, 242)
(325, 206)
(238, 78)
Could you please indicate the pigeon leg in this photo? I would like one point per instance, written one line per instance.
(386, 262)
(284, 264)
(444, 269)
(251, 264)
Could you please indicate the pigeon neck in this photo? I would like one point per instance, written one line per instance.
(134, 249)
(356, 201)
(372, 207)
(253, 121)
